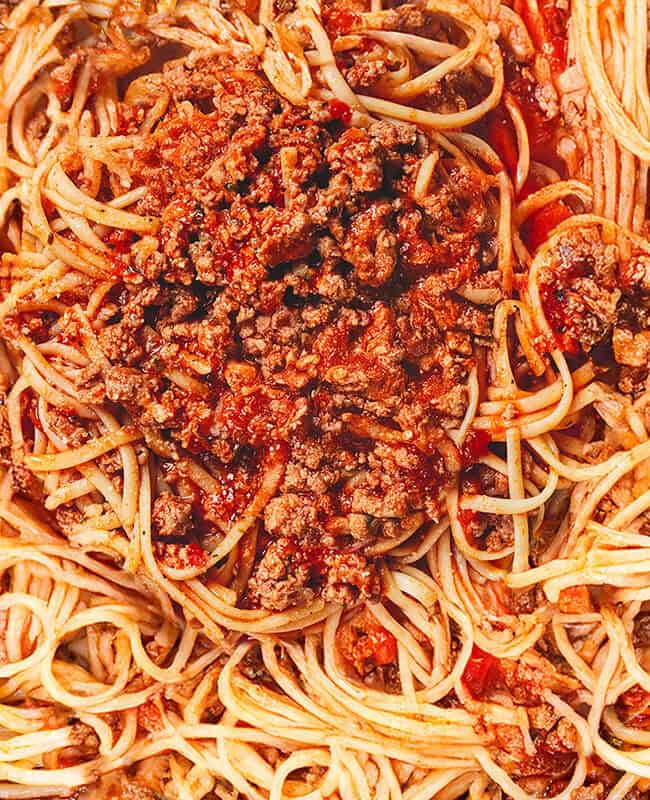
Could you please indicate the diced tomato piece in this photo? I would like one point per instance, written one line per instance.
(540, 225)
(481, 673)
(575, 600)
(475, 446)
(340, 110)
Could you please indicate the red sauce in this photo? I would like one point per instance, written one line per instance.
(179, 217)
(475, 446)
(237, 484)
(422, 254)
(63, 88)
(120, 240)
(276, 197)
(129, 119)
(501, 136)
(467, 518)
(196, 555)
(542, 129)
(340, 110)
(247, 416)
(312, 556)
(554, 301)
(49, 209)
(481, 673)
(428, 476)
(63, 761)
(332, 345)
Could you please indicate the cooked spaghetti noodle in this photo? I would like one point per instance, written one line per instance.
(324, 365)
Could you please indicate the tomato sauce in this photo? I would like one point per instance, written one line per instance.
(339, 21)
(196, 555)
(547, 26)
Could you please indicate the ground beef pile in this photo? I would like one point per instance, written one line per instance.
(596, 297)
(296, 300)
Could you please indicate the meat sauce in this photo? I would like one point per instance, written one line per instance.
(546, 22)
(560, 313)
(365, 644)
(340, 110)
(291, 246)
(634, 707)
(475, 446)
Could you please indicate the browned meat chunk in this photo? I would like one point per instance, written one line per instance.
(171, 516)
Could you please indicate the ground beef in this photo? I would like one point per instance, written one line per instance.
(171, 516)
(90, 385)
(594, 297)
(365, 73)
(67, 427)
(527, 679)
(67, 518)
(350, 577)
(290, 515)
(25, 483)
(501, 532)
(129, 386)
(596, 791)
(280, 579)
(642, 630)
(365, 644)
(295, 296)
(120, 344)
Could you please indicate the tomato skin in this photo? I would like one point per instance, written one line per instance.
(481, 673)
(539, 225)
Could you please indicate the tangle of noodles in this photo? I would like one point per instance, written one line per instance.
(324, 400)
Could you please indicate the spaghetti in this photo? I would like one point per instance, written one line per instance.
(324, 345)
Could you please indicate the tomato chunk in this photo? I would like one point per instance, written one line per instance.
(481, 673)
(541, 224)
